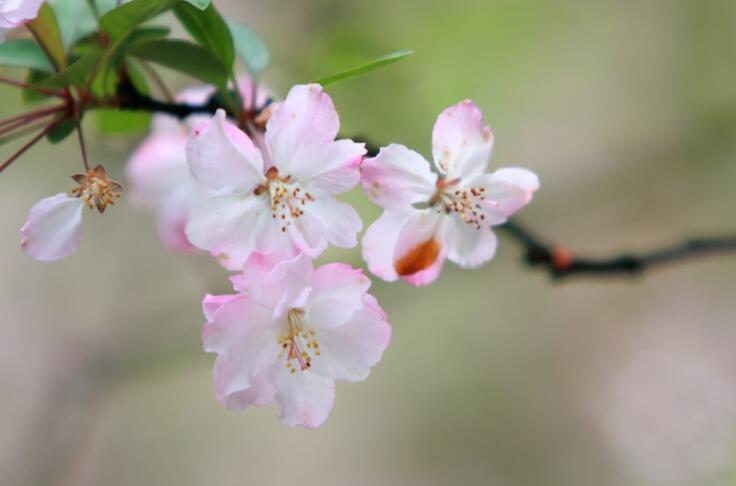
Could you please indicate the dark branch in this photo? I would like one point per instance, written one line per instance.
(560, 262)
(557, 260)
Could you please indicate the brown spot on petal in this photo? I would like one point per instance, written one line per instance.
(419, 258)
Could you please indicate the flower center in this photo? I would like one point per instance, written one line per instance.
(96, 189)
(286, 196)
(469, 203)
(296, 342)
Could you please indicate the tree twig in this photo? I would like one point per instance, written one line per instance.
(560, 262)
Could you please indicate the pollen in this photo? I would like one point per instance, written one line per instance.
(296, 341)
(286, 198)
(467, 203)
(96, 189)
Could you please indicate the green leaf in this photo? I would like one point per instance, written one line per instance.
(200, 4)
(121, 21)
(209, 29)
(250, 48)
(59, 133)
(75, 19)
(364, 68)
(46, 31)
(122, 121)
(183, 56)
(75, 75)
(24, 53)
(33, 95)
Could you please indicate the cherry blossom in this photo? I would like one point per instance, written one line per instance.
(289, 333)
(14, 13)
(158, 174)
(429, 218)
(52, 230)
(278, 196)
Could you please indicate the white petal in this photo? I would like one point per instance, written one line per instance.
(328, 169)
(461, 144)
(52, 231)
(520, 177)
(468, 245)
(304, 398)
(330, 220)
(501, 197)
(221, 156)
(226, 224)
(397, 177)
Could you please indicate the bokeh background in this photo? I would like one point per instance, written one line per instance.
(626, 110)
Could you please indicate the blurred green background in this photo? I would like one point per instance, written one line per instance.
(626, 110)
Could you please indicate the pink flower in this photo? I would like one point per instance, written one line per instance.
(428, 217)
(290, 333)
(158, 174)
(279, 197)
(14, 13)
(52, 231)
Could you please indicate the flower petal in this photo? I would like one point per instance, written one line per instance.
(461, 144)
(157, 167)
(241, 331)
(468, 245)
(306, 118)
(52, 230)
(380, 241)
(520, 177)
(502, 198)
(225, 226)
(327, 219)
(329, 169)
(420, 251)
(337, 293)
(349, 351)
(397, 177)
(221, 156)
(304, 398)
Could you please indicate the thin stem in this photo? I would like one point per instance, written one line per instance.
(32, 114)
(30, 143)
(10, 128)
(21, 85)
(82, 145)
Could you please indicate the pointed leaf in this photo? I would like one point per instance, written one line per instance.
(75, 75)
(46, 31)
(364, 68)
(209, 29)
(183, 56)
(200, 4)
(75, 19)
(24, 53)
(120, 21)
(250, 48)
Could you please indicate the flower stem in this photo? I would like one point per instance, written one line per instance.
(31, 143)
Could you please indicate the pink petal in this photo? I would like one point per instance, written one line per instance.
(349, 351)
(259, 392)
(173, 217)
(397, 177)
(420, 251)
(210, 304)
(306, 118)
(221, 156)
(52, 231)
(227, 226)
(240, 330)
(468, 245)
(16, 13)
(156, 168)
(337, 293)
(461, 144)
(379, 243)
(304, 398)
